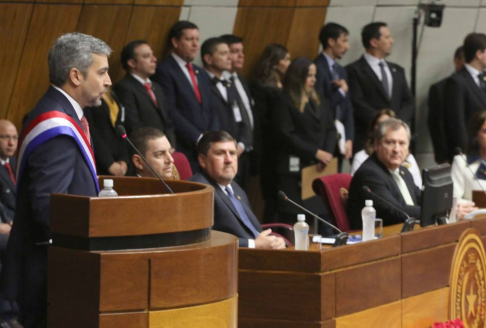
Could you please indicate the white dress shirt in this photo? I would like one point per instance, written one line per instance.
(222, 89)
(74, 103)
(182, 63)
(242, 92)
(463, 179)
(474, 73)
(375, 66)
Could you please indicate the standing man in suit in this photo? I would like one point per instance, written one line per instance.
(55, 157)
(332, 85)
(225, 100)
(237, 57)
(383, 174)
(465, 93)
(8, 145)
(376, 84)
(143, 99)
(187, 90)
(232, 213)
(436, 112)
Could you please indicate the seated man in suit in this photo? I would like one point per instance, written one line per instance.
(376, 84)
(143, 98)
(215, 54)
(187, 90)
(435, 117)
(232, 213)
(465, 93)
(332, 85)
(155, 146)
(383, 174)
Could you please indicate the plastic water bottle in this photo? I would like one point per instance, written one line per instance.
(108, 190)
(368, 214)
(301, 233)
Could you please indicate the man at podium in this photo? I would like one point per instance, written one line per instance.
(218, 160)
(55, 157)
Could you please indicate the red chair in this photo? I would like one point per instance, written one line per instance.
(334, 190)
(182, 164)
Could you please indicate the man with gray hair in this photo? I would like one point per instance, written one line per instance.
(55, 157)
(383, 174)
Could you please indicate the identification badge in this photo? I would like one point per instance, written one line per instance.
(294, 164)
(236, 112)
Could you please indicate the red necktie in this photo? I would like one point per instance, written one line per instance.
(194, 82)
(85, 125)
(148, 86)
(10, 172)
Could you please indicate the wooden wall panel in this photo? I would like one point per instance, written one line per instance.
(312, 3)
(47, 24)
(261, 26)
(388, 315)
(267, 3)
(303, 37)
(14, 23)
(415, 314)
(151, 24)
(107, 23)
(109, 2)
(160, 2)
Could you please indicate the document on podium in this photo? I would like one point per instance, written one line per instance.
(310, 173)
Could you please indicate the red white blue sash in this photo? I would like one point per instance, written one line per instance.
(50, 125)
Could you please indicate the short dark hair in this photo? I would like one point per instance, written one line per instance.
(475, 124)
(140, 137)
(178, 28)
(231, 39)
(331, 31)
(472, 43)
(371, 31)
(209, 138)
(459, 54)
(209, 47)
(128, 52)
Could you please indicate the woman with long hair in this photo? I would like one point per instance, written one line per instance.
(306, 133)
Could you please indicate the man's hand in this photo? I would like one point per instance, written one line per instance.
(341, 84)
(348, 149)
(5, 228)
(465, 208)
(266, 241)
(118, 168)
(323, 156)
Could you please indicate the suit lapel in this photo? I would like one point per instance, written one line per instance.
(473, 86)
(395, 86)
(183, 78)
(410, 185)
(6, 177)
(218, 94)
(369, 71)
(227, 201)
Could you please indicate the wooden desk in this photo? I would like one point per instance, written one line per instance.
(401, 280)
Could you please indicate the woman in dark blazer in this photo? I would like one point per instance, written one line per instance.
(306, 133)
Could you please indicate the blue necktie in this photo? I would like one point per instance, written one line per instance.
(241, 211)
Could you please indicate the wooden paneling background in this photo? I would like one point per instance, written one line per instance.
(28, 29)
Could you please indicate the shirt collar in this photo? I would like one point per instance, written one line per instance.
(4, 161)
(179, 60)
(76, 106)
(372, 60)
(330, 61)
(139, 79)
(224, 188)
(474, 72)
(227, 75)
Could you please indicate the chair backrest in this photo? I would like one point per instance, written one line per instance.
(330, 188)
(182, 164)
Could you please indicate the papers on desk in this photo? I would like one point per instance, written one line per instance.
(351, 240)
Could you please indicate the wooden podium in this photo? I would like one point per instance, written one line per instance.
(401, 280)
(144, 259)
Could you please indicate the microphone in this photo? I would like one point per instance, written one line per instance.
(409, 223)
(341, 238)
(120, 130)
(459, 152)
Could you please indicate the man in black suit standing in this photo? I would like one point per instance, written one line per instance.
(232, 213)
(435, 118)
(465, 93)
(383, 174)
(143, 98)
(376, 84)
(332, 85)
(245, 101)
(225, 102)
(187, 90)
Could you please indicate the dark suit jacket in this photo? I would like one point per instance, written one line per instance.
(190, 118)
(56, 166)
(140, 108)
(368, 97)
(375, 175)
(226, 117)
(8, 191)
(226, 218)
(108, 147)
(333, 96)
(435, 121)
(462, 98)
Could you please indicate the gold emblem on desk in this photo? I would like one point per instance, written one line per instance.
(467, 280)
